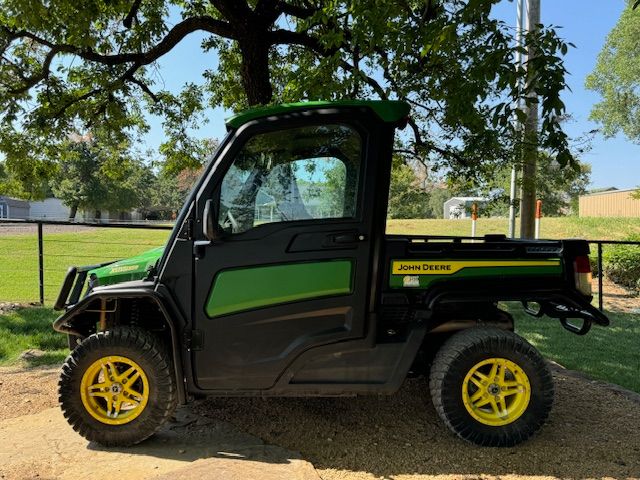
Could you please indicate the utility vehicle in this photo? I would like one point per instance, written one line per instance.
(279, 279)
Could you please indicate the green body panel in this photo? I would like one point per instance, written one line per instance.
(133, 268)
(388, 110)
(551, 267)
(241, 289)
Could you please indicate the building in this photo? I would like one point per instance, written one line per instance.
(610, 203)
(460, 207)
(13, 208)
(49, 209)
(54, 209)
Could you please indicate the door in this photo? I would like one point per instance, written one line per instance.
(292, 270)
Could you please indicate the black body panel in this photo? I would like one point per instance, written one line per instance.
(250, 350)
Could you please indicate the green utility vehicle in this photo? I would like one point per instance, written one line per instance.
(279, 279)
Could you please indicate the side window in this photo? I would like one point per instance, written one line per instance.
(302, 173)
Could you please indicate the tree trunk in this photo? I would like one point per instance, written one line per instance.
(97, 216)
(530, 149)
(255, 71)
(73, 211)
(529, 169)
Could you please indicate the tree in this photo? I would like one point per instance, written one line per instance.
(407, 199)
(616, 78)
(92, 69)
(437, 197)
(91, 177)
(558, 188)
(13, 186)
(169, 191)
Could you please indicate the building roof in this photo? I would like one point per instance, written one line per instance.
(387, 110)
(14, 202)
(610, 191)
(469, 199)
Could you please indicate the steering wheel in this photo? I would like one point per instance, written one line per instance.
(230, 221)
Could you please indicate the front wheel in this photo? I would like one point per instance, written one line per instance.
(491, 387)
(117, 387)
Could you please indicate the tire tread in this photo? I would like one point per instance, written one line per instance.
(153, 351)
(496, 341)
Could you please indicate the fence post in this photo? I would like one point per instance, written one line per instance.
(600, 275)
(40, 263)
(538, 217)
(474, 218)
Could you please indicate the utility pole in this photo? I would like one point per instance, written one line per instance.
(530, 137)
(518, 127)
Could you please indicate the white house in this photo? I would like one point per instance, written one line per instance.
(460, 207)
(49, 209)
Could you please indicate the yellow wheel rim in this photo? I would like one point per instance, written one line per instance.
(114, 390)
(496, 392)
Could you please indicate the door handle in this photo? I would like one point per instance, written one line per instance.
(346, 238)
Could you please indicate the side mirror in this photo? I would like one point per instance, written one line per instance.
(209, 221)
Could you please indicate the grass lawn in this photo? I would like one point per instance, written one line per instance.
(560, 227)
(610, 354)
(19, 257)
(30, 328)
(19, 253)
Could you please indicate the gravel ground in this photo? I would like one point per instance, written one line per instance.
(617, 298)
(24, 392)
(29, 229)
(593, 431)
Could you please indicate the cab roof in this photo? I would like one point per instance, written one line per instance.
(391, 111)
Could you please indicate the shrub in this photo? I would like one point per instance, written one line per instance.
(622, 264)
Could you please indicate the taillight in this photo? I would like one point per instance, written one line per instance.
(582, 270)
(582, 264)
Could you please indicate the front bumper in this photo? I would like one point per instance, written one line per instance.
(73, 284)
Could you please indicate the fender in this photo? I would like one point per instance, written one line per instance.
(67, 322)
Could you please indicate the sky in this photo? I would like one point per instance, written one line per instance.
(584, 23)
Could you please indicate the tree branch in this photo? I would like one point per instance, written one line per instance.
(265, 7)
(132, 15)
(430, 146)
(296, 11)
(144, 87)
(287, 37)
(372, 82)
(67, 105)
(233, 9)
(170, 40)
(35, 79)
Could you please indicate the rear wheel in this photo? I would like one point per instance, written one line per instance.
(491, 387)
(117, 387)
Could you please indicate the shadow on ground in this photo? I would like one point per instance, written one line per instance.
(43, 446)
(592, 432)
(188, 437)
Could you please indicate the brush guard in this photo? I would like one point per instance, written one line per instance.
(73, 283)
